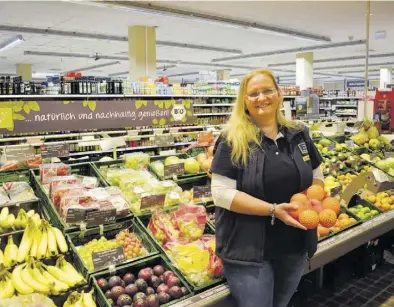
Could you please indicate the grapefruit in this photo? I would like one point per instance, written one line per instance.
(299, 198)
(295, 213)
(331, 203)
(322, 231)
(328, 218)
(315, 192)
(309, 218)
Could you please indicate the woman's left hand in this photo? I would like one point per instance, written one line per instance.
(282, 213)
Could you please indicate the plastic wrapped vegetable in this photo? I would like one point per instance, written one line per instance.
(47, 171)
(19, 191)
(63, 180)
(162, 227)
(4, 199)
(62, 190)
(137, 161)
(29, 300)
(191, 220)
(158, 168)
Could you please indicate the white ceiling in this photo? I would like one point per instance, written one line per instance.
(337, 20)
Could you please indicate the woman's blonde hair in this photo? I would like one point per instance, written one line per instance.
(241, 133)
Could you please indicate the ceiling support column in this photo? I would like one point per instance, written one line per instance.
(304, 70)
(385, 76)
(25, 71)
(142, 52)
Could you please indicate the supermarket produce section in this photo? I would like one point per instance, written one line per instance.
(134, 223)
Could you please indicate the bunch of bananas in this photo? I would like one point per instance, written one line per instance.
(36, 277)
(8, 221)
(77, 299)
(38, 241)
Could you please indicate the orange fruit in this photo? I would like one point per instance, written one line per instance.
(385, 207)
(301, 207)
(327, 218)
(299, 198)
(309, 218)
(352, 220)
(322, 231)
(315, 192)
(343, 216)
(331, 203)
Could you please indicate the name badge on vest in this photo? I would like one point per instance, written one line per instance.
(304, 151)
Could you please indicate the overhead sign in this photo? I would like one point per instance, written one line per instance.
(355, 83)
(46, 116)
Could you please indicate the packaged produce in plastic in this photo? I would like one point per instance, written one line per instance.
(158, 168)
(88, 182)
(28, 300)
(63, 180)
(114, 176)
(191, 220)
(4, 199)
(163, 227)
(47, 171)
(19, 191)
(61, 190)
(137, 161)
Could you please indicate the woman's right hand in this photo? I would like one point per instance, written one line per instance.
(282, 213)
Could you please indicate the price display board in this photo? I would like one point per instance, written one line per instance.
(151, 201)
(104, 259)
(174, 169)
(55, 150)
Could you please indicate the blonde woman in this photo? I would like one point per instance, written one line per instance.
(260, 161)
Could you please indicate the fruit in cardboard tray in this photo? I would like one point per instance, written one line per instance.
(131, 289)
(158, 270)
(192, 166)
(124, 300)
(140, 303)
(162, 288)
(175, 292)
(116, 292)
(145, 274)
(141, 284)
(163, 297)
(155, 281)
(173, 281)
(129, 278)
(153, 301)
(150, 291)
(103, 284)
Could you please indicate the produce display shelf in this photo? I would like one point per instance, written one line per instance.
(116, 96)
(85, 169)
(327, 251)
(346, 114)
(346, 106)
(337, 98)
(84, 153)
(212, 114)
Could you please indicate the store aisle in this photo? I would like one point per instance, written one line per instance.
(376, 290)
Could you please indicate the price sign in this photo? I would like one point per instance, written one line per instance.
(104, 259)
(174, 169)
(55, 150)
(350, 143)
(200, 192)
(156, 200)
(164, 140)
(75, 216)
(95, 218)
(19, 153)
(335, 191)
(388, 154)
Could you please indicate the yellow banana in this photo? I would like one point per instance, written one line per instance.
(3, 216)
(1, 257)
(7, 288)
(18, 283)
(9, 223)
(36, 242)
(28, 279)
(10, 253)
(43, 245)
(59, 275)
(36, 219)
(26, 243)
(88, 299)
(71, 272)
(52, 245)
(58, 287)
(30, 213)
(37, 276)
(60, 239)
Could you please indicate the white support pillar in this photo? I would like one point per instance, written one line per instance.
(304, 70)
(385, 76)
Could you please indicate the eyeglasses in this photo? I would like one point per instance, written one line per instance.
(266, 92)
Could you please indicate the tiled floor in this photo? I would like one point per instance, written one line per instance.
(375, 290)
